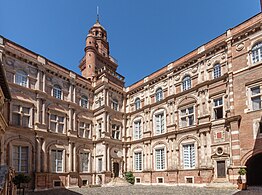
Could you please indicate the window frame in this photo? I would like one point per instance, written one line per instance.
(115, 105)
(57, 92)
(22, 76)
(20, 146)
(160, 166)
(256, 53)
(253, 96)
(217, 70)
(159, 94)
(187, 116)
(57, 150)
(186, 83)
(86, 128)
(116, 132)
(137, 133)
(84, 103)
(57, 122)
(81, 164)
(216, 107)
(138, 162)
(191, 165)
(162, 122)
(22, 115)
(137, 103)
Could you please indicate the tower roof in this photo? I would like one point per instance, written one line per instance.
(97, 24)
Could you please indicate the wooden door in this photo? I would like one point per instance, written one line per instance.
(221, 169)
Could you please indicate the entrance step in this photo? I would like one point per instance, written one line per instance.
(117, 181)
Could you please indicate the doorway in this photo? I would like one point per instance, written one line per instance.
(221, 169)
(254, 170)
(116, 169)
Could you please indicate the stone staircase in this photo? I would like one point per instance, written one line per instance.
(221, 183)
(117, 181)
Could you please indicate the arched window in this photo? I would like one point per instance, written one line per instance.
(257, 53)
(186, 83)
(159, 94)
(84, 102)
(57, 92)
(217, 70)
(137, 103)
(21, 78)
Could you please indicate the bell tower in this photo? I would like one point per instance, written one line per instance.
(96, 48)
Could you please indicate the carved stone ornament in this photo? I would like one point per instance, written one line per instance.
(33, 71)
(10, 62)
(194, 70)
(177, 78)
(240, 46)
(208, 62)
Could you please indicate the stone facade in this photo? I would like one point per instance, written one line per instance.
(195, 121)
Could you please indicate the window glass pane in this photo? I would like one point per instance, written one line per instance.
(16, 119)
(190, 110)
(60, 128)
(52, 126)
(255, 90)
(26, 110)
(16, 108)
(25, 121)
(191, 120)
(256, 103)
(53, 117)
(217, 70)
(21, 78)
(84, 101)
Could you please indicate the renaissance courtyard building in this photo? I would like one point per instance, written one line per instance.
(196, 121)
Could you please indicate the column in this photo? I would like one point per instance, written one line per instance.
(44, 82)
(44, 153)
(69, 158)
(202, 150)
(43, 113)
(38, 155)
(2, 149)
(208, 139)
(104, 159)
(108, 159)
(74, 157)
(38, 109)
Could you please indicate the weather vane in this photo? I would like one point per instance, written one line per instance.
(97, 13)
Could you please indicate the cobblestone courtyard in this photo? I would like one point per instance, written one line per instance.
(149, 190)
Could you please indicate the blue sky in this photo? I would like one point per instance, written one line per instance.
(144, 35)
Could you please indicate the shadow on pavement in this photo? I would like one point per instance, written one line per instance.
(251, 190)
(61, 191)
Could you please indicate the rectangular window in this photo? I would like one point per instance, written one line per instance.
(218, 108)
(21, 116)
(100, 164)
(187, 117)
(84, 161)
(137, 130)
(84, 130)
(57, 160)
(115, 105)
(160, 159)
(20, 159)
(256, 98)
(57, 123)
(99, 130)
(138, 161)
(160, 123)
(116, 131)
(189, 156)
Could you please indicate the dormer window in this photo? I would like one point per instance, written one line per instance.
(21, 78)
(159, 94)
(57, 92)
(186, 83)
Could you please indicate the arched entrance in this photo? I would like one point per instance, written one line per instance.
(254, 170)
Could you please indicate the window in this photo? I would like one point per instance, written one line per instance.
(160, 180)
(21, 116)
(186, 83)
(137, 103)
(218, 108)
(115, 105)
(138, 161)
(99, 130)
(57, 123)
(160, 158)
(160, 123)
(84, 102)
(21, 78)
(217, 71)
(116, 131)
(189, 156)
(137, 130)
(57, 92)
(187, 116)
(57, 160)
(159, 94)
(100, 163)
(257, 53)
(20, 159)
(84, 161)
(256, 98)
(84, 130)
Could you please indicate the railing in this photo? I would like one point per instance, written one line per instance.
(113, 73)
(113, 59)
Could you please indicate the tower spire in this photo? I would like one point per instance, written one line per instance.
(97, 14)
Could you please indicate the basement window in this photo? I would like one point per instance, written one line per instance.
(57, 183)
(189, 180)
(138, 180)
(160, 180)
